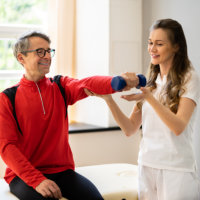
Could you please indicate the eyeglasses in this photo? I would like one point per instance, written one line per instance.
(42, 52)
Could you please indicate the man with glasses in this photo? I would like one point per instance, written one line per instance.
(34, 130)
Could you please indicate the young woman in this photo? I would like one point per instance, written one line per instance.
(166, 109)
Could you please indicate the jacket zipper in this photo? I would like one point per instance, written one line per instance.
(41, 98)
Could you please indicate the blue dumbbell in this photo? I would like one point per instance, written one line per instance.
(118, 83)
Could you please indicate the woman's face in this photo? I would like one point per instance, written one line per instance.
(160, 48)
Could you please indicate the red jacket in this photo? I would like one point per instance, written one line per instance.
(43, 146)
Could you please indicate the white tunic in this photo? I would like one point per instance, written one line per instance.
(160, 147)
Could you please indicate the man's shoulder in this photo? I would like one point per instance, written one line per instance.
(11, 91)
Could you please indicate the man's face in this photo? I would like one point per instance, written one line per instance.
(36, 67)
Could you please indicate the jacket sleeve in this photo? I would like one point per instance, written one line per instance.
(74, 88)
(9, 146)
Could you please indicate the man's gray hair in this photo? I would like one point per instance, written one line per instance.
(22, 44)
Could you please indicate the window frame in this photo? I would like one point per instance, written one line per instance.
(13, 31)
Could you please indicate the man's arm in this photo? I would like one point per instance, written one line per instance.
(74, 88)
(19, 164)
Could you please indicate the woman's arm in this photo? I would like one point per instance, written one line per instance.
(129, 125)
(175, 122)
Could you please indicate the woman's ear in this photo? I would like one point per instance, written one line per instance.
(176, 48)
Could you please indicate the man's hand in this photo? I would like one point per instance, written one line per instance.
(49, 188)
(131, 79)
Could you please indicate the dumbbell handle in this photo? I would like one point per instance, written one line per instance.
(118, 82)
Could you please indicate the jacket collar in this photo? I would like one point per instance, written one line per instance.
(27, 82)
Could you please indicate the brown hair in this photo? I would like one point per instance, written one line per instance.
(180, 66)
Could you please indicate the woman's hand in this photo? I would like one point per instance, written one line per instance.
(106, 97)
(131, 79)
(144, 94)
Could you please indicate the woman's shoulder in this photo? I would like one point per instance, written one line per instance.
(192, 77)
(191, 85)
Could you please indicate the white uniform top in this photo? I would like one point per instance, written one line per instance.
(160, 147)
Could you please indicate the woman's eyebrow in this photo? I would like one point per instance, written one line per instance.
(157, 40)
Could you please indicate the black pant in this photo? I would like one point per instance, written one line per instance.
(72, 185)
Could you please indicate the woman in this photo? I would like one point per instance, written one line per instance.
(166, 109)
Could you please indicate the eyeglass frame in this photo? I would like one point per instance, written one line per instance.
(48, 50)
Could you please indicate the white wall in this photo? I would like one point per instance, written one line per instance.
(92, 55)
(108, 43)
(187, 12)
(104, 147)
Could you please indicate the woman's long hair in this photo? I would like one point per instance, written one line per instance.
(180, 65)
